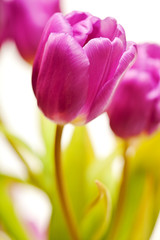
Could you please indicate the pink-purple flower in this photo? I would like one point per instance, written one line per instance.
(78, 65)
(135, 107)
(23, 22)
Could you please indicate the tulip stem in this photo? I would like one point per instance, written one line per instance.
(65, 205)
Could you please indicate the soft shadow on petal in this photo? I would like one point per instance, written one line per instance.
(62, 83)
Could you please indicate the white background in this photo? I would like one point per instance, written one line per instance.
(141, 21)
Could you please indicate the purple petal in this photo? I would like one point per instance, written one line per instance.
(76, 16)
(83, 25)
(104, 96)
(56, 24)
(110, 29)
(131, 108)
(62, 84)
(98, 51)
(5, 23)
(116, 54)
(104, 58)
(153, 50)
(25, 21)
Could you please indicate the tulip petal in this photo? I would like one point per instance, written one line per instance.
(130, 107)
(110, 29)
(104, 58)
(104, 97)
(98, 51)
(56, 24)
(116, 54)
(83, 24)
(62, 83)
(153, 50)
(76, 16)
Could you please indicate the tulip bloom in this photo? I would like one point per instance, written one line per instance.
(136, 105)
(23, 21)
(78, 65)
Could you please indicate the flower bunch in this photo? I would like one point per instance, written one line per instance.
(83, 66)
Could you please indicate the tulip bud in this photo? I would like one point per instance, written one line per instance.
(78, 65)
(135, 107)
(23, 21)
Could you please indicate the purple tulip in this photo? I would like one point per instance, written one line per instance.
(78, 65)
(135, 107)
(23, 21)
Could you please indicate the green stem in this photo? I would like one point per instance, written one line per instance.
(65, 205)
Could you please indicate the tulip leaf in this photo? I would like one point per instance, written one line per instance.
(148, 154)
(141, 208)
(11, 179)
(58, 228)
(48, 136)
(17, 141)
(141, 200)
(8, 217)
(77, 159)
(47, 129)
(143, 219)
(131, 200)
(103, 170)
(97, 214)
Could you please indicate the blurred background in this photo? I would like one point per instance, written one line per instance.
(140, 19)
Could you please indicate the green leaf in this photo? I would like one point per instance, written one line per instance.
(143, 219)
(11, 179)
(97, 215)
(8, 217)
(77, 159)
(47, 129)
(148, 154)
(141, 198)
(134, 189)
(103, 170)
(17, 141)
